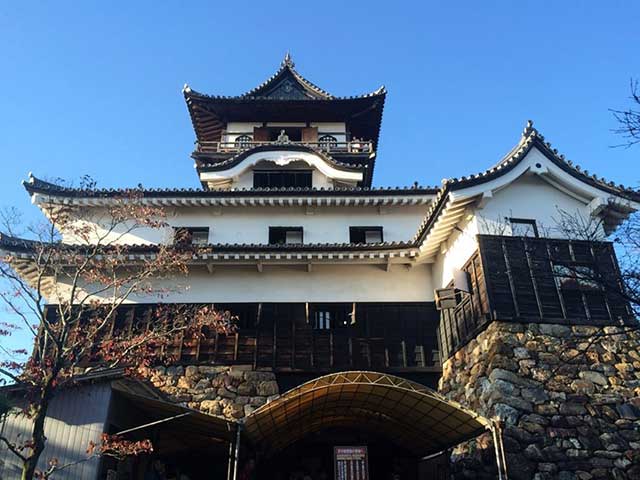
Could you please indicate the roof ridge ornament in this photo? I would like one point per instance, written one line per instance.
(529, 129)
(287, 61)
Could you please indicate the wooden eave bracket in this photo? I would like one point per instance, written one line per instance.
(597, 206)
(484, 199)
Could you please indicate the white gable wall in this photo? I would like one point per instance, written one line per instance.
(455, 252)
(531, 197)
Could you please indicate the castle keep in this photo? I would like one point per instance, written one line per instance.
(415, 332)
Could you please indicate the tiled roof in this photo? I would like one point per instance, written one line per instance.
(35, 185)
(21, 245)
(530, 138)
(287, 67)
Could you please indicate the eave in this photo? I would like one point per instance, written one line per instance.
(45, 194)
(613, 203)
(385, 254)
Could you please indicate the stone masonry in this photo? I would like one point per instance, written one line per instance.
(232, 392)
(569, 397)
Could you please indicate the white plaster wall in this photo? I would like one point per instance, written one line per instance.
(293, 283)
(338, 130)
(455, 252)
(251, 224)
(530, 197)
(236, 129)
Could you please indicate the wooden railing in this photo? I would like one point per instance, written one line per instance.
(335, 147)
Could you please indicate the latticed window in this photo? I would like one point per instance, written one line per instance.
(243, 141)
(328, 142)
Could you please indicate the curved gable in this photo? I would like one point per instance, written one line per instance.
(227, 174)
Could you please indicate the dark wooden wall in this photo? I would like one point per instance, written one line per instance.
(384, 337)
(523, 279)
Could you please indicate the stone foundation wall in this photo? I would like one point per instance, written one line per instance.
(232, 392)
(569, 398)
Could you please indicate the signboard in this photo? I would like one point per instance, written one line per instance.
(351, 463)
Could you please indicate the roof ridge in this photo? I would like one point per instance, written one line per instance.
(531, 137)
(287, 64)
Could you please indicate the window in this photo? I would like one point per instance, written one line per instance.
(523, 227)
(282, 178)
(332, 315)
(322, 320)
(365, 234)
(327, 142)
(575, 275)
(191, 235)
(243, 141)
(285, 235)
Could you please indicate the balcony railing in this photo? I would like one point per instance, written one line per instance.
(356, 147)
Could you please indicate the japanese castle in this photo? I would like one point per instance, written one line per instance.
(382, 332)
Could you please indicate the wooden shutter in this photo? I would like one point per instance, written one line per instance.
(260, 134)
(310, 134)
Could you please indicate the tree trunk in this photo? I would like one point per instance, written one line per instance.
(39, 439)
(37, 433)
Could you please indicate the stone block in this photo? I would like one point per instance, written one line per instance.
(534, 452)
(225, 393)
(246, 388)
(186, 383)
(191, 371)
(203, 383)
(506, 413)
(519, 467)
(257, 401)
(233, 410)
(555, 330)
(268, 388)
(572, 409)
(594, 377)
(211, 407)
(259, 376)
(583, 386)
(534, 395)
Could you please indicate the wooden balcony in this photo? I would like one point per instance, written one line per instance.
(352, 147)
(288, 337)
(536, 280)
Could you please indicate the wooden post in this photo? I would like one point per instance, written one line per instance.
(331, 348)
(510, 277)
(533, 278)
(236, 460)
(230, 460)
(235, 347)
(404, 353)
(275, 335)
(293, 341)
(255, 350)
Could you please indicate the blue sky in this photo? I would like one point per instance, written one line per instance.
(94, 87)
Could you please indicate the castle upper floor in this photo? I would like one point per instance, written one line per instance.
(291, 132)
